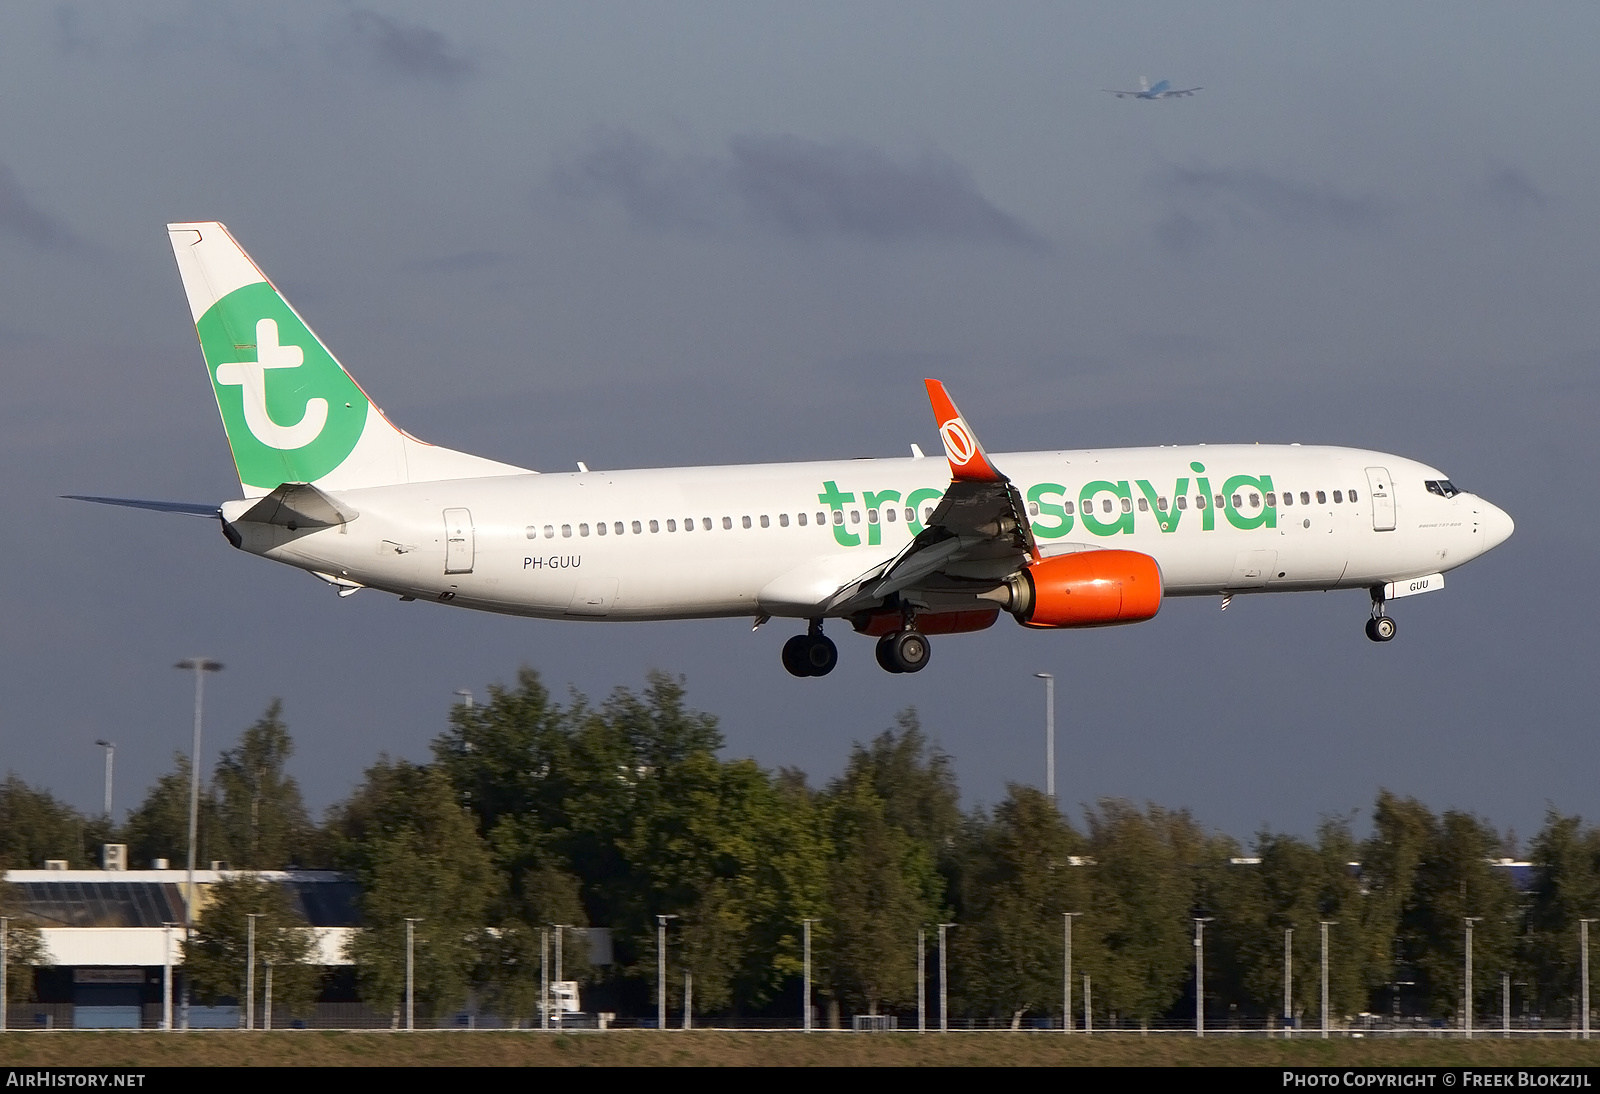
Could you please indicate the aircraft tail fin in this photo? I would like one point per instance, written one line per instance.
(291, 412)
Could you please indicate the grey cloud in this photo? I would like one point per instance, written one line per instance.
(1511, 191)
(1205, 199)
(790, 186)
(458, 263)
(408, 49)
(21, 219)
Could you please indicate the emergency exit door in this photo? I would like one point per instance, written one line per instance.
(458, 541)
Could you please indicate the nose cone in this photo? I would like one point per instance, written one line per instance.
(1494, 525)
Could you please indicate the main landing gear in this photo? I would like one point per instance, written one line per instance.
(810, 654)
(903, 651)
(1380, 628)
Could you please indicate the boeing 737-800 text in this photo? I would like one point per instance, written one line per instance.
(899, 548)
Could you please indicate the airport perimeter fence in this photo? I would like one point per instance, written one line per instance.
(355, 1017)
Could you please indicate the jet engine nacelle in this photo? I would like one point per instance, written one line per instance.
(1087, 589)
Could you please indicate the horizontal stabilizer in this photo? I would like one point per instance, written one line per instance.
(296, 505)
(192, 509)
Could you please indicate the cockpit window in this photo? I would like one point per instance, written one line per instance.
(1443, 487)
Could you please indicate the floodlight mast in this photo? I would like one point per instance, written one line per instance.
(1049, 733)
(199, 666)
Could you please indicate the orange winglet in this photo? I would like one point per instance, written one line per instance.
(968, 461)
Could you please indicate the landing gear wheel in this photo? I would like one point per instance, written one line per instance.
(1380, 628)
(821, 655)
(794, 656)
(907, 651)
(885, 654)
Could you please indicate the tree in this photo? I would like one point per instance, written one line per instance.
(261, 818)
(217, 954)
(34, 826)
(159, 827)
(24, 947)
(417, 856)
(1566, 858)
(1012, 941)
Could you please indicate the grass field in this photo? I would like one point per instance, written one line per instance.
(716, 1048)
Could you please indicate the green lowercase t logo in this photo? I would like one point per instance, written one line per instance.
(291, 413)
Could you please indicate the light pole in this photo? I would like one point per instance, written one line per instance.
(661, 970)
(1288, 982)
(250, 970)
(561, 1005)
(1200, 974)
(1049, 733)
(944, 981)
(199, 666)
(166, 976)
(922, 982)
(5, 960)
(806, 1002)
(465, 695)
(1066, 972)
(544, 978)
(1466, 1006)
(1326, 923)
(411, 984)
(1583, 947)
(111, 752)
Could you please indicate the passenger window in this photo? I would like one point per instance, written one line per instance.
(655, 526)
(766, 522)
(927, 515)
(549, 531)
(1352, 497)
(1199, 501)
(1144, 506)
(889, 515)
(822, 518)
(1338, 497)
(672, 525)
(1161, 504)
(1105, 504)
(1033, 508)
(1272, 501)
(783, 520)
(838, 516)
(1255, 501)
(566, 531)
(1183, 501)
(1288, 498)
(1305, 498)
(617, 527)
(745, 521)
(872, 516)
(855, 516)
(583, 529)
(1127, 505)
(1069, 508)
(1236, 505)
(600, 529)
(801, 518)
(636, 528)
(911, 514)
(1220, 501)
(531, 531)
(688, 525)
(705, 522)
(1322, 497)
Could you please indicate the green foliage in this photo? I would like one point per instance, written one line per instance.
(1566, 890)
(24, 947)
(159, 827)
(260, 816)
(34, 826)
(417, 856)
(217, 956)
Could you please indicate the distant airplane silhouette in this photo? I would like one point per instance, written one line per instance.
(1162, 90)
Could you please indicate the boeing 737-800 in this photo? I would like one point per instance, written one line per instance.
(900, 549)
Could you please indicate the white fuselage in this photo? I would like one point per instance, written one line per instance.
(533, 544)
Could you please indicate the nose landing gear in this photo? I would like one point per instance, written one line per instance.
(1380, 628)
(810, 654)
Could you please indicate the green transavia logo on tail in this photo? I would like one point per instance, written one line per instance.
(291, 413)
(1102, 508)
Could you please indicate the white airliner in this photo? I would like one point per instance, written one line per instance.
(898, 549)
(1161, 90)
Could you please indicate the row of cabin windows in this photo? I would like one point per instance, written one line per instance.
(1220, 501)
(621, 528)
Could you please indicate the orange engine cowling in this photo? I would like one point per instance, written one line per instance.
(1087, 589)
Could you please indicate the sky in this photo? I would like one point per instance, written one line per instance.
(658, 234)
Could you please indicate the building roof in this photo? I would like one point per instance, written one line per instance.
(151, 898)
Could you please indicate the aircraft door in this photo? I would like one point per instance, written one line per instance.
(459, 547)
(1380, 488)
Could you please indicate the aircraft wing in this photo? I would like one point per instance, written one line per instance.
(979, 532)
(1181, 94)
